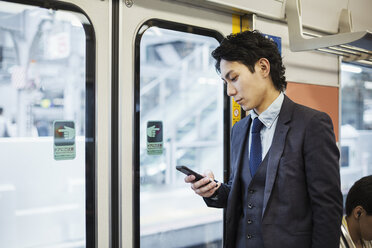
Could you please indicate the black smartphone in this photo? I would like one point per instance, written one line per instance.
(186, 170)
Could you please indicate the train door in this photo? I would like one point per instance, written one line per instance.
(50, 52)
(172, 111)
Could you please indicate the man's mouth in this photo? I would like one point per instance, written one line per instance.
(238, 101)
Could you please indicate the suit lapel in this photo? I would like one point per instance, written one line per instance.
(241, 144)
(241, 135)
(277, 148)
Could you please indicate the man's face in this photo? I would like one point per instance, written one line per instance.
(247, 88)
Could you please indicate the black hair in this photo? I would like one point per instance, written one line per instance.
(247, 48)
(1, 110)
(360, 194)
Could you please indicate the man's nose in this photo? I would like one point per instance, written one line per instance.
(231, 91)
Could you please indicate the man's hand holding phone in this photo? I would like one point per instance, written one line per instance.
(204, 187)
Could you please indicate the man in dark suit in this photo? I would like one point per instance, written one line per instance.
(284, 187)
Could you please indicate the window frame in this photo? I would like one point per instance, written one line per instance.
(186, 28)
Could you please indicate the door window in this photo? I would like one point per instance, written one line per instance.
(43, 197)
(356, 124)
(180, 107)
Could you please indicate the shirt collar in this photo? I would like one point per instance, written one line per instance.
(344, 223)
(271, 113)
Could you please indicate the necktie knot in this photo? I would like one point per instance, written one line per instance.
(257, 125)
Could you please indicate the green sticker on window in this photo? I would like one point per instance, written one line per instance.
(154, 138)
(64, 140)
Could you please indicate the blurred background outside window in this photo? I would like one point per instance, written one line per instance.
(356, 124)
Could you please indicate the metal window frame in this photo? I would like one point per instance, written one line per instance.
(136, 134)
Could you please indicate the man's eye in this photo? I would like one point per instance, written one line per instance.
(234, 79)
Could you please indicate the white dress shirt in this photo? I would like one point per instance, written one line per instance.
(269, 118)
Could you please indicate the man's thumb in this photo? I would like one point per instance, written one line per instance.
(209, 173)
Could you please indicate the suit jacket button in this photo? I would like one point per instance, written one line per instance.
(250, 205)
(249, 236)
(251, 191)
(249, 221)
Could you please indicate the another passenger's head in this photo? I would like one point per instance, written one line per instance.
(248, 48)
(359, 206)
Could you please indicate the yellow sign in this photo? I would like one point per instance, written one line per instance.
(236, 112)
(239, 24)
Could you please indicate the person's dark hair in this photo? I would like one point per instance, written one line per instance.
(1, 110)
(247, 48)
(360, 194)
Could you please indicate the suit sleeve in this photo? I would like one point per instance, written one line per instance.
(321, 157)
(220, 198)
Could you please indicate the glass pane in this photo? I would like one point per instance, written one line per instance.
(356, 124)
(181, 123)
(42, 79)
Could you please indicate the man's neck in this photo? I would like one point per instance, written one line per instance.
(270, 98)
(354, 232)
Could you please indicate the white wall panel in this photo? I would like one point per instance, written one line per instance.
(276, 9)
(361, 14)
(325, 14)
(317, 14)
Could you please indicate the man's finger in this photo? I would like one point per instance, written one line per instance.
(202, 182)
(209, 173)
(207, 189)
(189, 179)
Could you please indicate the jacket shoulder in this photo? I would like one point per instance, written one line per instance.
(305, 112)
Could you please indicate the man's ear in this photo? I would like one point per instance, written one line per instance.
(264, 66)
(357, 212)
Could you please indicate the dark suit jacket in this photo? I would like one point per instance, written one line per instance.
(302, 199)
